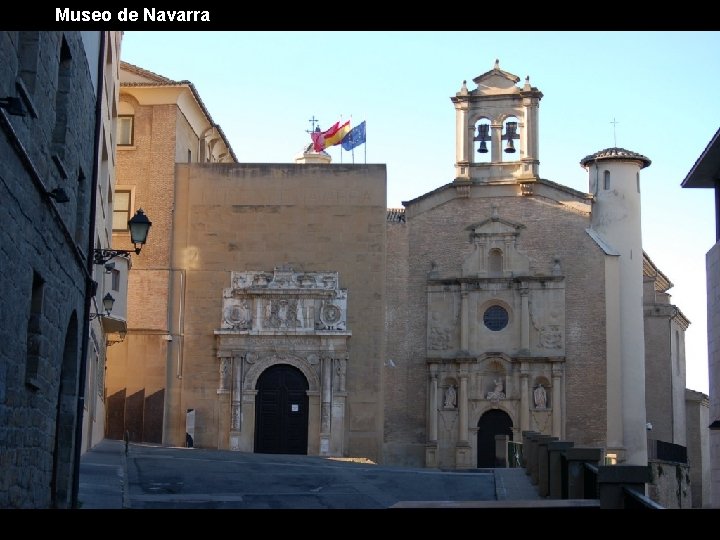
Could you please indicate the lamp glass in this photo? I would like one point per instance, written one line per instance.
(108, 302)
(139, 227)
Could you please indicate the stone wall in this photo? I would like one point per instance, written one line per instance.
(670, 484)
(41, 332)
(260, 216)
(437, 240)
(712, 264)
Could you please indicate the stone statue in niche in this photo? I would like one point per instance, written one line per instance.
(498, 392)
(540, 397)
(450, 401)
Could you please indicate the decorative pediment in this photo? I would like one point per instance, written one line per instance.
(494, 226)
(495, 253)
(496, 81)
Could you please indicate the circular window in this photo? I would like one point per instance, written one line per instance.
(495, 318)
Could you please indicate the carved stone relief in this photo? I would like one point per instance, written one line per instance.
(237, 313)
(284, 300)
(285, 317)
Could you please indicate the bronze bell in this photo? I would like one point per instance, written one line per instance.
(510, 134)
(482, 136)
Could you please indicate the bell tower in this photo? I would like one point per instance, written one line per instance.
(496, 129)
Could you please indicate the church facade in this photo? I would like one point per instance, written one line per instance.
(303, 316)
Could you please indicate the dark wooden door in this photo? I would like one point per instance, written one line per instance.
(493, 422)
(281, 411)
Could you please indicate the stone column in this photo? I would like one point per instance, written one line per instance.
(259, 315)
(557, 401)
(507, 259)
(496, 150)
(463, 406)
(433, 405)
(237, 369)
(224, 422)
(337, 418)
(524, 404)
(464, 316)
(225, 372)
(463, 448)
(462, 127)
(525, 320)
(325, 405)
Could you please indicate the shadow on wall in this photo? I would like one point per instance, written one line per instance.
(141, 416)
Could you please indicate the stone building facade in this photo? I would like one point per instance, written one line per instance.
(50, 88)
(705, 173)
(497, 303)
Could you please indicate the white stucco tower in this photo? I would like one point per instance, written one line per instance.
(614, 180)
(496, 129)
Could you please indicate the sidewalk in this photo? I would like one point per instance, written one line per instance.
(103, 473)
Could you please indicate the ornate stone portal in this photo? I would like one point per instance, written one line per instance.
(284, 317)
(494, 332)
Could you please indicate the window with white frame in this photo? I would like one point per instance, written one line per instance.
(125, 130)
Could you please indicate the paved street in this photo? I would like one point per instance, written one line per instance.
(175, 478)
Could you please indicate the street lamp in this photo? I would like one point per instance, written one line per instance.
(108, 303)
(139, 226)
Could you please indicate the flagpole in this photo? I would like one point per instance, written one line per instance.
(365, 146)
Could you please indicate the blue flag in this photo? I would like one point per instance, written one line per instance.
(356, 137)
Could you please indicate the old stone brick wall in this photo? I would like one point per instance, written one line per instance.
(38, 236)
(436, 234)
(658, 374)
(399, 396)
(136, 376)
(670, 484)
(260, 216)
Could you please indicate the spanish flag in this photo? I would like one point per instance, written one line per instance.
(330, 137)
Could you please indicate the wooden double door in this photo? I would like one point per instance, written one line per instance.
(281, 411)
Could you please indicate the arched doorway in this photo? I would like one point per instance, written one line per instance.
(281, 411)
(493, 422)
(61, 484)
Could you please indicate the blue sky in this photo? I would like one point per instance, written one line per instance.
(262, 87)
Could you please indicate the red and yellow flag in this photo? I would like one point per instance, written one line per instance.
(330, 137)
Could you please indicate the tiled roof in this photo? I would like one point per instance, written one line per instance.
(145, 73)
(159, 80)
(615, 153)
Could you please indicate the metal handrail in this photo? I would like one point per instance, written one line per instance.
(642, 499)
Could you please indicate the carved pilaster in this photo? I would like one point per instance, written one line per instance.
(525, 320)
(524, 403)
(225, 370)
(557, 377)
(340, 369)
(326, 395)
(236, 407)
(464, 316)
(463, 405)
(433, 405)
